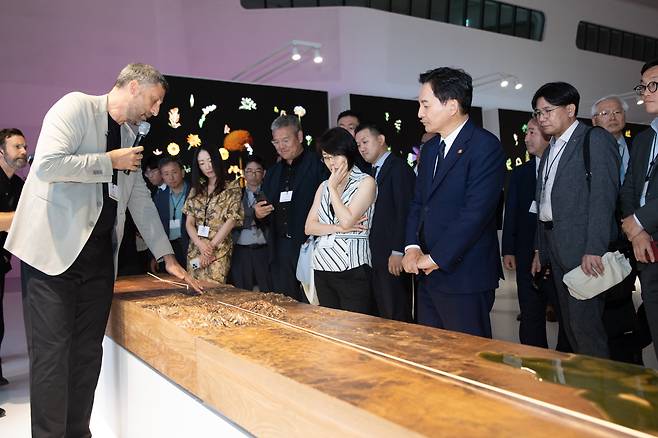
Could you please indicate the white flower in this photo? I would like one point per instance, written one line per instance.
(247, 103)
(299, 111)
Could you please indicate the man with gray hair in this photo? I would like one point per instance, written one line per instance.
(66, 231)
(610, 114)
(289, 188)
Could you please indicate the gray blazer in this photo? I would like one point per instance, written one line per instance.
(631, 192)
(63, 195)
(583, 222)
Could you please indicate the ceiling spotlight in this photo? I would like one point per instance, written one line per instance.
(295, 54)
(317, 58)
(518, 86)
(640, 101)
(504, 83)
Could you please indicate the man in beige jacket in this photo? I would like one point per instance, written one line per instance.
(67, 229)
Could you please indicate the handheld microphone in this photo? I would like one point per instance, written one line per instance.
(142, 130)
(30, 158)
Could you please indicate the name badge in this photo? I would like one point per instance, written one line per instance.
(203, 231)
(113, 191)
(285, 196)
(533, 207)
(174, 223)
(327, 241)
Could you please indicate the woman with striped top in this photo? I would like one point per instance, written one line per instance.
(340, 218)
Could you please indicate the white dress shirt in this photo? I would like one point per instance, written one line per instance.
(550, 169)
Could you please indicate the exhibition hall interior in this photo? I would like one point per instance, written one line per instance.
(226, 218)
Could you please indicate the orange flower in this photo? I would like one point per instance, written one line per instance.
(193, 140)
(235, 140)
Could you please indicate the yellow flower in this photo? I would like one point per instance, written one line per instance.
(224, 153)
(193, 141)
(173, 149)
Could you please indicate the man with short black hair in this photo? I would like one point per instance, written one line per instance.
(13, 156)
(575, 213)
(639, 200)
(451, 228)
(249, 264)
(395, 188)
(348, 120)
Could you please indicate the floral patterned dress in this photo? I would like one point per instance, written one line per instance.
(214, 211)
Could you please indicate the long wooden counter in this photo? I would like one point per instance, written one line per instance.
(301, 370)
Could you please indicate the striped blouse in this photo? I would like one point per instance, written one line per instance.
(342, 251)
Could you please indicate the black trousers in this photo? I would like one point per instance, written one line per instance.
(649, 282)
(392, 294)
(65, 318)
(346, 290)
(284, 270)
(2, 315)
(250, 267)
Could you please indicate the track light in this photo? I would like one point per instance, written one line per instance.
(640, 101)
(296, 56)
(317, 58)
(504, 83)
(518, 86)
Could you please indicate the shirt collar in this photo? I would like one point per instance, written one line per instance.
(380, 162)
(450, 139)
(566, 135)
(654, 124)
(621, 141)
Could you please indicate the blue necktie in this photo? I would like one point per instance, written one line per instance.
(439, 157)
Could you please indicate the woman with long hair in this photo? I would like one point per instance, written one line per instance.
(213, 208)
(340, 217)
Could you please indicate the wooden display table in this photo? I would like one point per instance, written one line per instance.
(301, 370)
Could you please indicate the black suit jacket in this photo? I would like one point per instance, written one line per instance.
(395, 190)
(519, 225)
(308, 176)
(631, 191)
(161, 201)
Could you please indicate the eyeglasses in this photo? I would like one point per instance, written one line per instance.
(546, 112)
(651, 86)
(253, 172)
(607, 114)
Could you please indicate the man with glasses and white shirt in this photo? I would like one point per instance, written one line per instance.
(610, 114)
(576, 216)
(639, 198)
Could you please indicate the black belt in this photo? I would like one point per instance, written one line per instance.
(254, 245)
(548, 225)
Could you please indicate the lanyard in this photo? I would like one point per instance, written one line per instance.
(177, 203)
(205, 213)
(550, 167)
(652, 163)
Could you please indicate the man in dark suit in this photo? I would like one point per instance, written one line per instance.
(169, 203)
(289, 187)
(639, 198)
(576, 213)
(451, 228)
(395, 189)
(518, 243)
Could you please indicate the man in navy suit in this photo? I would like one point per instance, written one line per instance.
(395, 189)
(451, 228)
(169, 203)
(519, 229)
